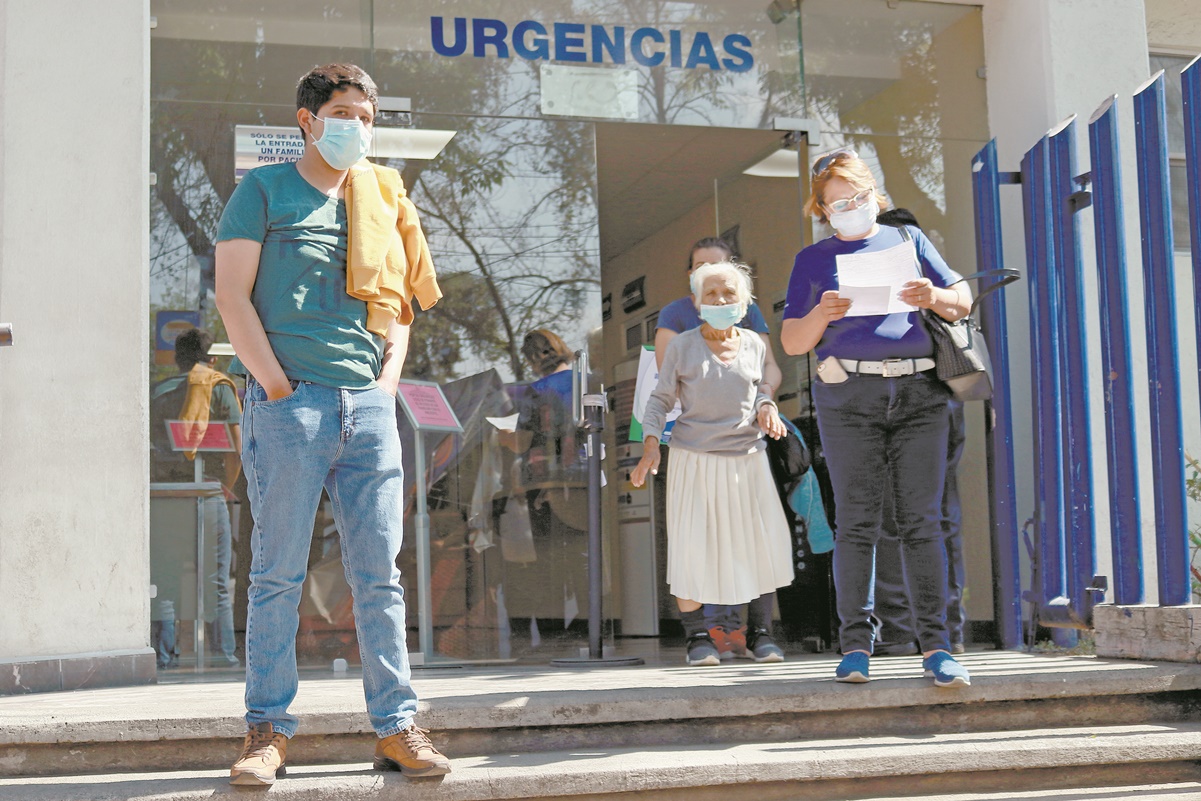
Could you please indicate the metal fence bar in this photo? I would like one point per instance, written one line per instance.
(1124, 513)
(1045, 367)
(1190, 84)
(1163, 363)
(1081, 548)
(998, 413)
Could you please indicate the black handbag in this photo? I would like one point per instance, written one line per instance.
(789, 459)
(961, 359)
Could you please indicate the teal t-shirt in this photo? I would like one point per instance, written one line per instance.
(318, 332)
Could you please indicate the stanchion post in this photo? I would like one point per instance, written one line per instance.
(588, 414)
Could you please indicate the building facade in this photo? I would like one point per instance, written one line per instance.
(564, 155)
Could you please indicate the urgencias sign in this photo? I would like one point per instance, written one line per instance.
(595, 44)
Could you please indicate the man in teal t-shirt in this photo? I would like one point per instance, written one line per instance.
(320, 412)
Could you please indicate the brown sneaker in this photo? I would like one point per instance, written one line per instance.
(412, 753)
(262, 757)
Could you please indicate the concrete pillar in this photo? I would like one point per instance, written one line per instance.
(74, 173)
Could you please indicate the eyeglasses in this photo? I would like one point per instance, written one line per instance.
(824, 162)
(846, 203)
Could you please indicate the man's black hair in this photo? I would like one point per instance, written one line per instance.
(320, 83)
(711, 242)
(192, 346)
(898, 217)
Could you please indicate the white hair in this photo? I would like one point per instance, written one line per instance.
(739, 273)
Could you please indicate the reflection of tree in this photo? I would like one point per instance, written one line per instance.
(703, 96)
(191, 157)
(904, 125)
(512, 204)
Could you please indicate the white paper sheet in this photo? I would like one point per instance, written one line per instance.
(507, 423)
(873, 280)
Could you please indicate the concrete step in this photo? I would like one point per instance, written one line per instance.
(1035, 761)
(525, 711)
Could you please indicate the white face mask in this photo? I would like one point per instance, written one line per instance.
(857, 221)
(343, 143)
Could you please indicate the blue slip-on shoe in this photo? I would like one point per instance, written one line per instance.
(853, 668)
(945, 671)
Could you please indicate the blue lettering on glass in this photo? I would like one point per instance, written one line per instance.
(675, 47)
(438, 39)
(615, 46)
(640, 55)
(541, 47)
(577, 42)
(702, 52)
(739, 46)
(489, 32)
(569, 42)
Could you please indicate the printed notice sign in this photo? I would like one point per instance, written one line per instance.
(589, 92)
(426, 406)
(256, 145)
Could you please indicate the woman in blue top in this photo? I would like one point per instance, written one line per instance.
(881, 410)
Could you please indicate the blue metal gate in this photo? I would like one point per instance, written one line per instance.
(1064, 563)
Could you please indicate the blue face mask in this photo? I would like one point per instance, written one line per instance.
(343, 143)
(722, 317)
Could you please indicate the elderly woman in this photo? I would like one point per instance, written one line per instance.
(881, 410)
(725, 622)
(727, 538)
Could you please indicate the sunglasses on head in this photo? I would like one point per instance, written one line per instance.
(824, 162)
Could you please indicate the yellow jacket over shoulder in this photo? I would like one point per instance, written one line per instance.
(388, 261)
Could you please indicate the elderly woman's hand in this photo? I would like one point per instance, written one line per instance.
(769, 421)
(649, 463)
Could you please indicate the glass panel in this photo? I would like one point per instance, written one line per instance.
(720, 62)
(904, 68)
(1172, 65)
(509, 209)
(214, 66)
(522, 208)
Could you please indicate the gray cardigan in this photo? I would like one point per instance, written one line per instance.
(719, 403)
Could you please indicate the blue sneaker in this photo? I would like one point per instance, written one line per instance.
(853, 668)
(945, 671)
(762, 648)
(702, 650)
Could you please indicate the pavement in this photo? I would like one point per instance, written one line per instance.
(489, 697)
(799, 693)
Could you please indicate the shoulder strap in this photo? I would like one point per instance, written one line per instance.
(1004, 275)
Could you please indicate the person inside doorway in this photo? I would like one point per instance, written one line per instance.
(318, 263)
(198, 396)
(724, 623)
(881, 410)
(728, 541)
(898, 630)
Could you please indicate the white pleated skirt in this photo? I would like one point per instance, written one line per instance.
(727, 537)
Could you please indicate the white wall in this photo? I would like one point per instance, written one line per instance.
(74, 169)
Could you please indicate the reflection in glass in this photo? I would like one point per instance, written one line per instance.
(520, 220)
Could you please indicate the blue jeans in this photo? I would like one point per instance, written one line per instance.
(218, 537)
(892, 600)
(347, 442)
(879, 435)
